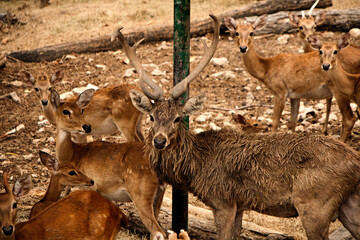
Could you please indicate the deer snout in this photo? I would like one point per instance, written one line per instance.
(44, 102)
(160, 142)
(8, 230)
(326, 66)
(243, 49)
(87, 128)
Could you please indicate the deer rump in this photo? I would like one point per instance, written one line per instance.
(267, 173)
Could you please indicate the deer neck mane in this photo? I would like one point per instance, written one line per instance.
(254, 63)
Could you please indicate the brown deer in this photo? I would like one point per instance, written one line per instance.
(291, 76)
(284, 175)
(121, 171)
(349, 57)
(62, 175)
(8, 204)
(110, 110)
(345, 82)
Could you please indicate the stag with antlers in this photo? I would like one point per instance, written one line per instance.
(285, 175)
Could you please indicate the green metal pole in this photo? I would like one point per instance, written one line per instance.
(181, 70)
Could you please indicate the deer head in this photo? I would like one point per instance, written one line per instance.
(166, 114)
(8, 204)
(307, 24)
(69, 114)
(43, 83)
(244, 31)
(329, 52)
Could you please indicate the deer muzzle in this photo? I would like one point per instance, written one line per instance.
(44, 102)
(326, 66)
(160, 142)
(8, 230)
(243, 49)
(87, 128)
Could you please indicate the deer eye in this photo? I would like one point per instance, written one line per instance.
(237, 34)
(314, 27)
(255, 125)
(66, 112)
(335, 52)
(49, 88)
(251, 34)
(177, 119)
(321, 52)
(14, 205)
(151, 118)
(301, 27)
(36, 89)
(72, 173)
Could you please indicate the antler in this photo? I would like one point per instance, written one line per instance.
(180, 88)
(312, 8)
(157, 92)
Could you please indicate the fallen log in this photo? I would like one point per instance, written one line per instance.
(161, 33)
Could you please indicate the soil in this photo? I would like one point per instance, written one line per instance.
(19, 151)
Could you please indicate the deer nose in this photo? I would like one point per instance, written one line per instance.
(243, 49)
(44, 102)
(159, 143)
(8, 230)
(326, 66)
(92, 182)
(87, 128)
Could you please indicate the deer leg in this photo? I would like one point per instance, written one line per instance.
(224, 221)
(349, 213)
(159, 195)
(328, 109)
(278, 109)
(238, 225)
(295, 104)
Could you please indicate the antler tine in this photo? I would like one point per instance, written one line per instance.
(180, 88)
(156, 92)
(312, 8)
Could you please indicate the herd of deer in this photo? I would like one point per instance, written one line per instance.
(314, 177)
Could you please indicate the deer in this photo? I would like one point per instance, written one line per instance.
(121, 171)
(62, 175)
(329, 54)
(110, 110)
(314, 177)
(349, 57)
(291, 76)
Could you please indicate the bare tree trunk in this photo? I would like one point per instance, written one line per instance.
(161, 33)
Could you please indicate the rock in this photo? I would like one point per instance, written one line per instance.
(164, 81)
(214, 127)
(227, 124)
(15, 97)
(79, 90)
(66, 95)
(157, 72)
(100, 66)
(46, 150)
(17, 83)
(328, 34)
(283, 39)
(36, 141)
(41, 130)
(70, 57)
(51, 140)
(249, 97)
(43, 122)
(28, 157)
(198, 130)
(219, 61)
(2, 156)
(353, 106)
(202, 118)
(129, 72)
(320, 106)
(223, 75)
(88, 72)
(301, 50)
(355, 33)
(18, 128)
(258, 88)
(41, 117)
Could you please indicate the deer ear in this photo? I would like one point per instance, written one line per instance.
(260, 22)
(193, 105)
(84, 99)
(49, 161)
(140, 101)
(294, 18)
(315, 42)
(23, 185)
(28, 77)
(230, 23)
(320, 18)
(55, 98)
(57, 76)
(343, 41)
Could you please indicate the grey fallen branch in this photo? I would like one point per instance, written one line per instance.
(240, 108)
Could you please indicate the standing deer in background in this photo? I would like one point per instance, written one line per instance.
(284, 175)
(347, 83)
(121, 171)
(349, 57)
(62, 175)
(291, 76)
(110, 110)
(8, 204)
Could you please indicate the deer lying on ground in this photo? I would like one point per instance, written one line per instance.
(291, 76)
(62, 175)
(349, 57)
(284, 175)
(110, 110)
(121, 171)
(346, 83)
(81, 215)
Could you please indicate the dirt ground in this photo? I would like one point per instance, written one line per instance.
(19, 152)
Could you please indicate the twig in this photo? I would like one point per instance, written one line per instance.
(241, 108)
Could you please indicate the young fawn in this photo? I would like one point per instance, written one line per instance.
(121, 171)
(110, 110)
(62, 175)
